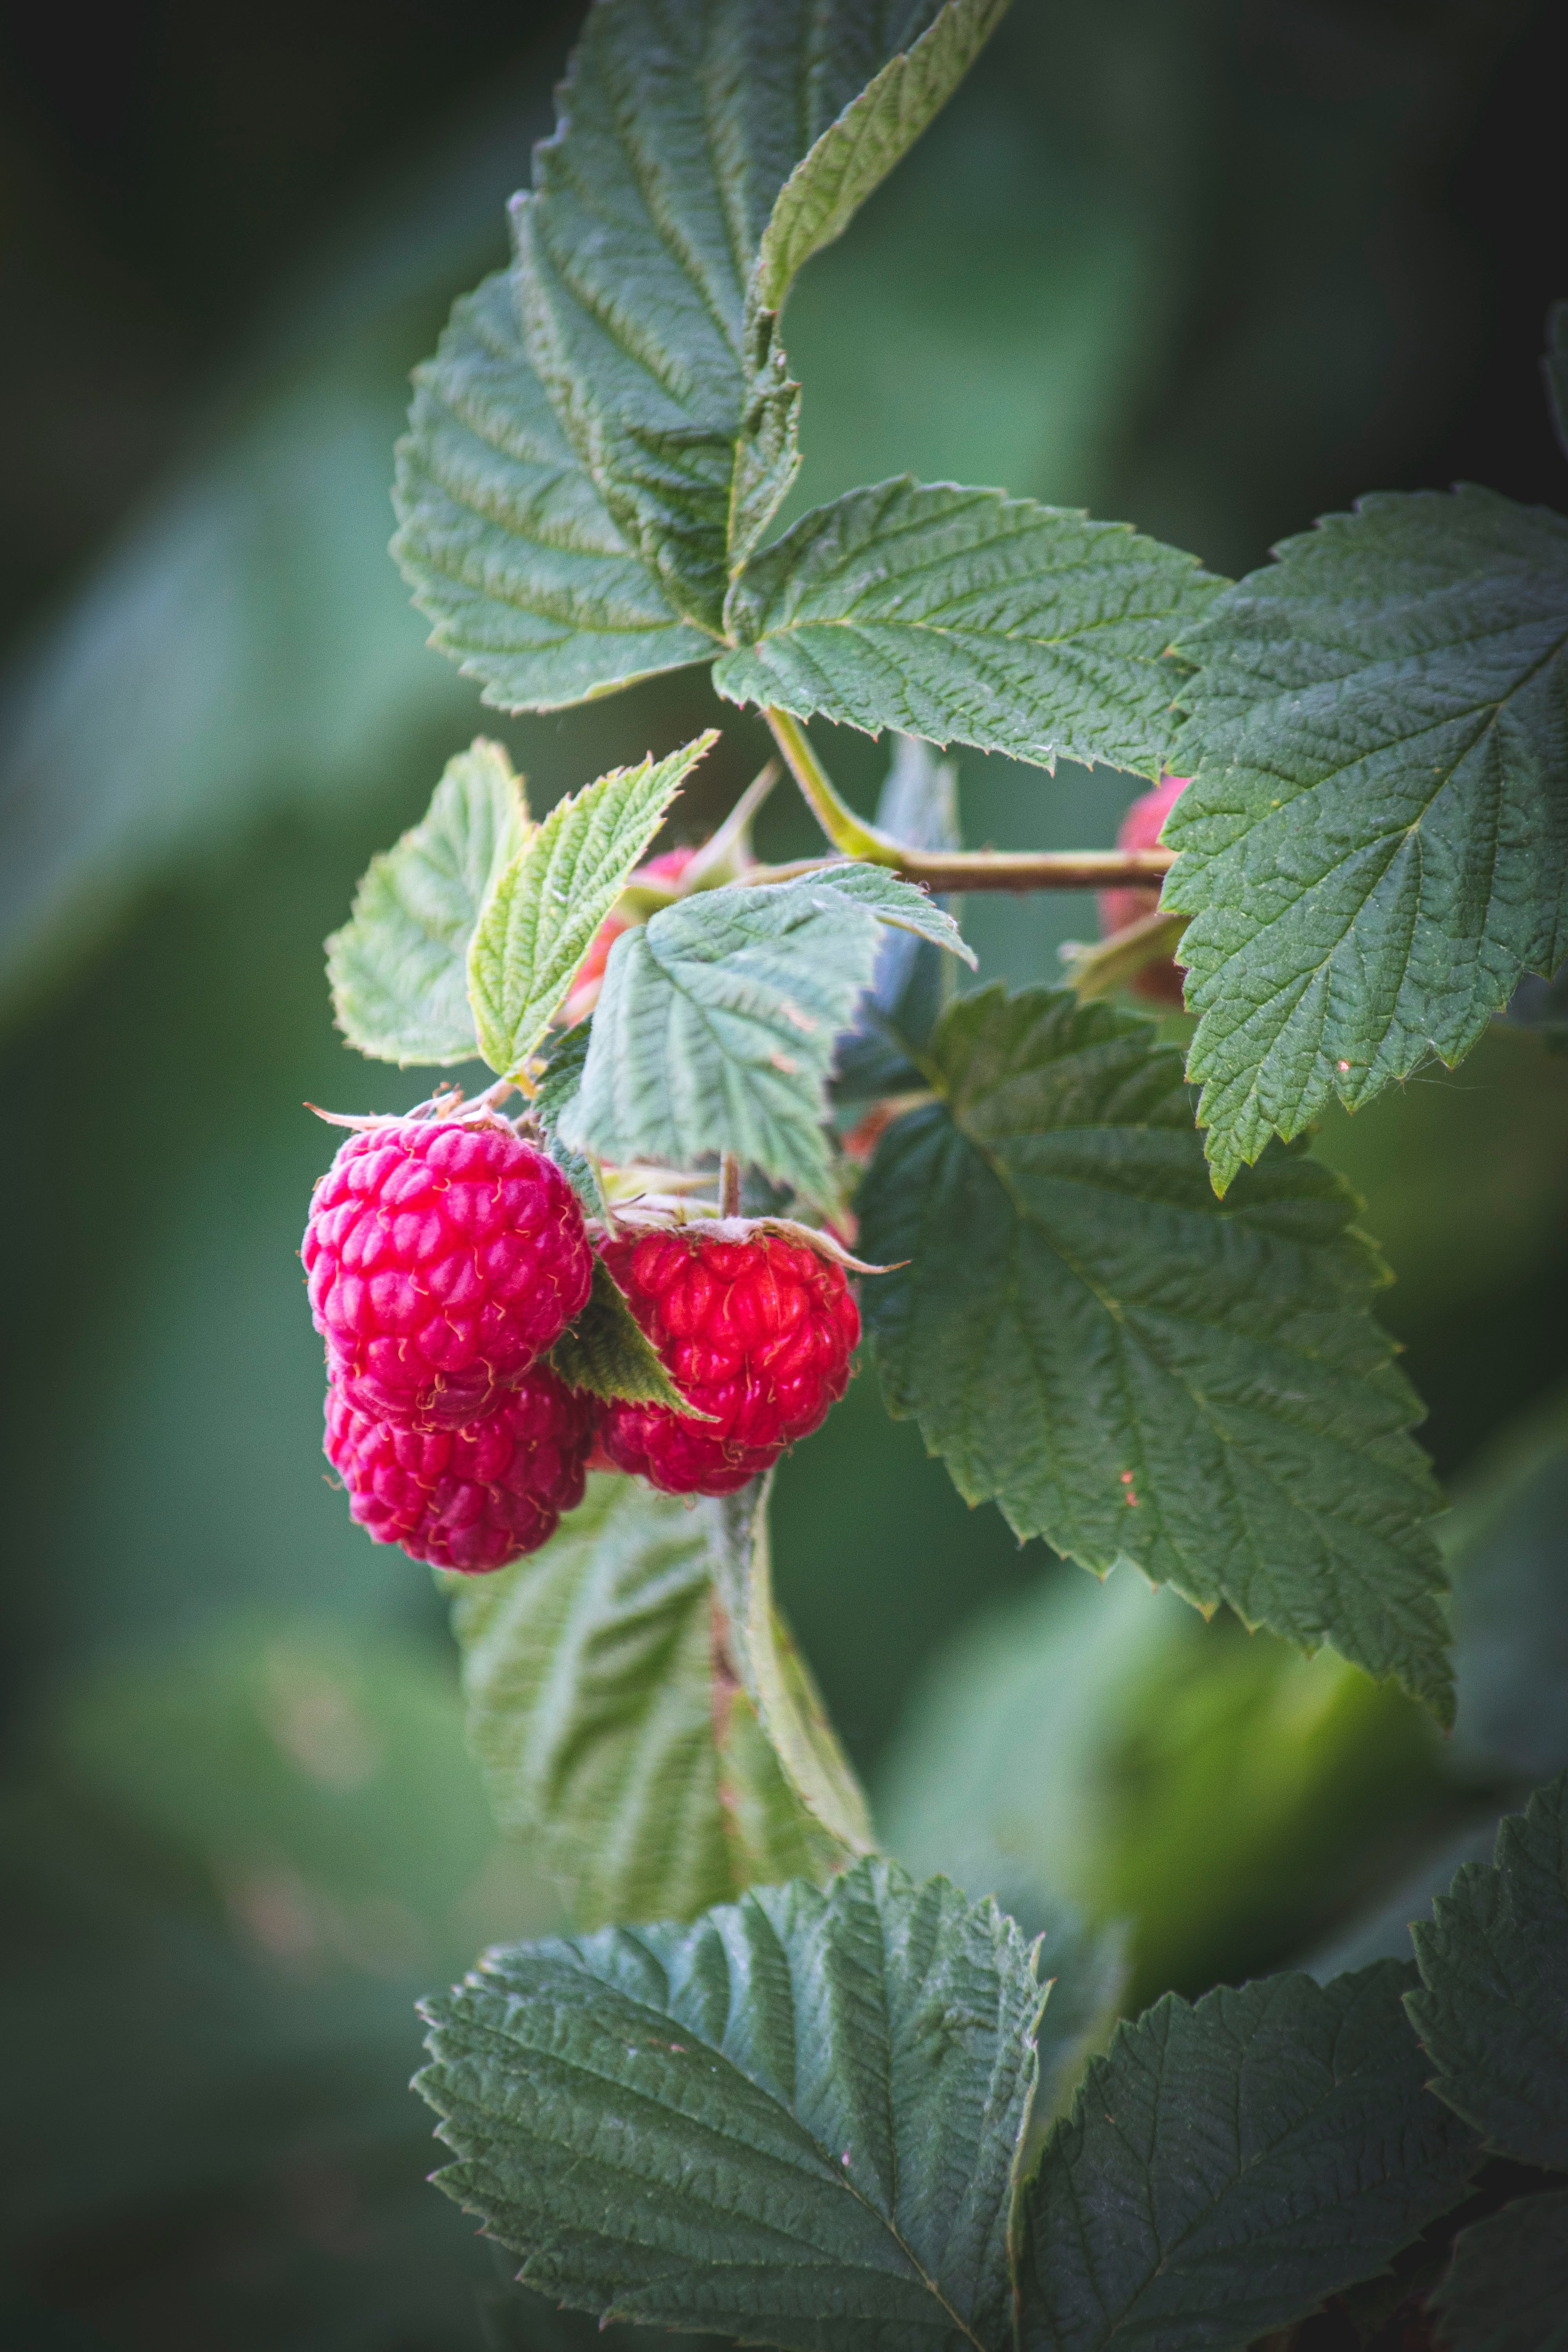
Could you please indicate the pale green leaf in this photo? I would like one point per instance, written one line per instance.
(610, 1721)
(854, 153)
(1228, 2164)
(680, 121)
(794, 2121)
(1507, 2288)
(1375, 846)
(1492, 2011)
(964, 615)
(541, 916)
(399, 967)
(606, 1353)
(715, 1027)
(503, 536)
(555, 1089)
(1133, 1369)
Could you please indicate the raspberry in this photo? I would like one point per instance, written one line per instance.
(1140, 829)
(667, 868)
(758, 1333)
(470, 1498)
(442, 1259)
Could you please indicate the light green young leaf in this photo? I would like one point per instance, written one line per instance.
(539, 921)
(1507, 2288)
(1228, 2164)
(1492, 2011)
(856, 151)
(398, 968)
(606, 1353)
(503, 536)
(964, 615)
(1133, 1369)
(794, 2121)
(610, 1722)
(680, 122)
(1375, 846)
(715, 1028)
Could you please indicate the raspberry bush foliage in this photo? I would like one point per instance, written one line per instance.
(774, 2089)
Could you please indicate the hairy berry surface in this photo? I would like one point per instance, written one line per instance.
(442, 1260)
(467, 1498)
(758, 1333)
(1141, 829)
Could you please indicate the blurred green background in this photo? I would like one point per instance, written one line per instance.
(1213, 269)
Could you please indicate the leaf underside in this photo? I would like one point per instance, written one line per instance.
(794, 2121)
(1230, 2163)
(1375, 846)
(543, 913)
(610, 1722)
(1134, 1369)
(398, 968)
(1493, 2010)
(715, 1027)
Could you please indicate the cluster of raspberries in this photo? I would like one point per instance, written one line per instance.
(444, 1259)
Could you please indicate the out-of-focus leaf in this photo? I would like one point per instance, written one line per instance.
(399, 967)
(1493, 2010)
(1225, 2165)
(1507, 1543)
(1508, 2289)
(911, 980)
(830, 2087)
(964, 615)
(541, 918)
(1135, 1370)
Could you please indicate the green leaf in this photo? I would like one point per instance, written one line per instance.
(1375, 846)
(1228, 2164)
(1507, 2288)
(398, 968)
(962, 615)
(606, 1352)
(503, 536)
(910, 983)
(854, 153)
(610, 1721)
(794, 2121)
(555, 1089)
(1493, 2008)
(542, 914)
(1133, 1369)
(679, 127)
(715, 1028)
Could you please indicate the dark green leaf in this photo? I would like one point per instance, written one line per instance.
(539, 921)
(606, 1352)
(610, 1720)
(715, 1028)
(399, 967)
(1493, 2008)
(1375, 846)
(795, 2120)
(503, 536)
(556, 1089)
(1133, 1369)
(1228, 2164)
(962, 615)
(1508, 2290)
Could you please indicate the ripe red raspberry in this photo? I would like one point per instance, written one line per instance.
(667, 868)
(1140, 829)
(758, 1333)
(470, 1498)
(442, 1259)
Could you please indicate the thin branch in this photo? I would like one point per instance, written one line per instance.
(944, 870)
(1100, 970)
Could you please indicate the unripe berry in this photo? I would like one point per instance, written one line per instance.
(467, 1498)
(1141, 829)
(442, 1259)
(757, 1332)
(667, 868)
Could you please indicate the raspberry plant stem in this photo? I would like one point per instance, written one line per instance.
(939, 869)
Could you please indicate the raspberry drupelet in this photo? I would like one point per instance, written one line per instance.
(443, 1258)
(467, 1498)
(757, 1332)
